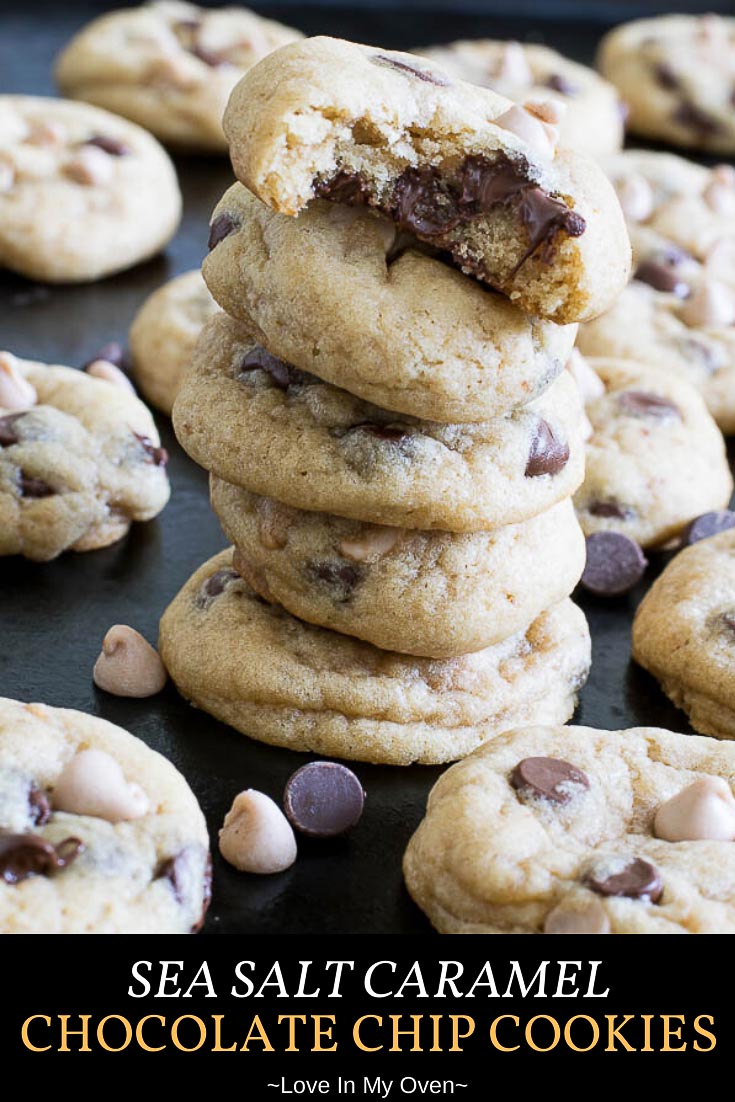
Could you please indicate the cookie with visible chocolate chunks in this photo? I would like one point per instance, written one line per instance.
(340, 293)
(575, 830)
(684, 633)
(455, 165)
(83, 193)
(287, 683)
(675, 73)
(435, 594)
(98, 833)
(257, 422)
(655, 459)
(80, 460)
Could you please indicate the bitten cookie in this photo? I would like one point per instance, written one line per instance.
(98, 833)
(458, 166)
(339, 293)
(83, 193)
(80, 459)
(684, 633)
(168, 66)
(436, 594)
(592, 120)
(163, 335)
(675, 72)
(655, 459)
(573, 830)
(290, 684)
(259, 423)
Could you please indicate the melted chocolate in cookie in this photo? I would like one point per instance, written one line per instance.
(549, 779)
(429, 76)
(339, 577)
(157, 456)
(39, 808)
(548, 455)
(33, 487)
(8, 431)
(108, 145)
(215, 584)
(639, 879)
(283, 375)
(24, 855)
(639, 403)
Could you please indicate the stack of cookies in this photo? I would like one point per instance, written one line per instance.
(392, 440)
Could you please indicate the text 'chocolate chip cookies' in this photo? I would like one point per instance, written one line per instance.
(392, 440)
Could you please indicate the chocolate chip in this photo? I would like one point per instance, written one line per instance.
(157, 456)
(423, 204)
(323, 799)
(562, 84)
(215, 584)
(391, 433)
(640, 403)
(639, 879)
(610, 509)
(707, 355)
(549, 779)
(206, 894)
(222, 226)
(341, 578)
(39, 808)
(209, 57)
(8, 431)
(726, 621)
(615, 563)
(694, 118)
(344, 187)
(282, 374)
(176, 870)
(113, 352)
(33, 487)
(24, 855)
(661, 277)
(666, 76)
(548, 455)
(428, 75)
(708, 524)
(112, 146)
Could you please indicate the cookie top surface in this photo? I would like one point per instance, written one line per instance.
(255, 421)
(289, 683)
(339, 293)
(84, 456)
(592, 120)
(655, 459)
(77, 872)
(168, 66)
(360, 125)
(676, 74)
(83, 193)
(547, 821)
(163, 334)
(425, 593)
(684, 629)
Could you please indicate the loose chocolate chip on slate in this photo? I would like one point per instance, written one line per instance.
(666, 76)
(24, 855)
(112, 146)
(639, 879)
(430, 76)
(323, 799)
(562, 84)
(709, 524)
(222, 226)
(639, 403)
(615, 563)
(39, 808)
(344, 187)
(547, 455)
(113, 353)
(341, 578)
(157, 456)
(282, 374)
(215, 584)
(549, 779)
(34, 487)
(8, 431)
(694, 118)
(661, 277)
(610, 509)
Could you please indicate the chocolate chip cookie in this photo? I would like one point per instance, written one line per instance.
(163, 335)
(80, 459)
(287, 683)
(169, 66)
(458, 166)
(83, 193)
(655, 459)
(573, 830)
(676, 72)
(337, 292)
(684, 633)
(435, 594)
(98, 833)
(257, 422)
(592, 120)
